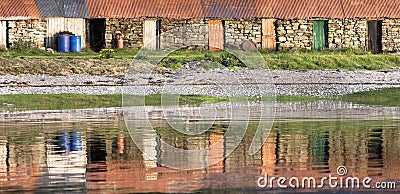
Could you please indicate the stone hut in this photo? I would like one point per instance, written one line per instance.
(269, 24)
(20, 20)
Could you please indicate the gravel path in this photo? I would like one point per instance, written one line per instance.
(213, 82)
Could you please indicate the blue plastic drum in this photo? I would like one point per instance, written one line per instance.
(63, 44)
(76, 44)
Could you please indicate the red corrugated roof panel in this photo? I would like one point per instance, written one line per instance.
(308, 9)
(265, 8)
(388, 8)
(360, 8)
(285, 9)
(148, 8)
(11, 9)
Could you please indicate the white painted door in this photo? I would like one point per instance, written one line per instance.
(150, 32)
(3, 34)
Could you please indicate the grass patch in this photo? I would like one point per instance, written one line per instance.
(347, 59)
(82, 101)
(59, 101)
(36, 61)
(381, 97)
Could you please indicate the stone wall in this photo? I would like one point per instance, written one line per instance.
(238, 30)
(391, 35)
(294, 34)
(131, 30)
(347, 33)
(178, 33)
(28, 31)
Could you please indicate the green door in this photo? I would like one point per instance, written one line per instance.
(320, 30)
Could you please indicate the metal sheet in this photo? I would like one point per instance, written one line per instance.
(229, 9)
(18, 9)
(63, 8)
(302, 9)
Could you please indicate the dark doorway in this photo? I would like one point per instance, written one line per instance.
(374, 44)
(320, 34)
(97, 34)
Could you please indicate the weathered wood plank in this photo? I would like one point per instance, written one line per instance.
(3, 34)
(268, 34)
(150, 34)
(56, 25)
(216, 35)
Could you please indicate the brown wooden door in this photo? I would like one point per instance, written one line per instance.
(268, 34)
(374, 44)
(216, 37)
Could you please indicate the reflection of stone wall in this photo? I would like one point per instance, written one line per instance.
(27, 30)
(391, 35)
(238, 30)
(183, 32)
(131, 30)
(294, 34)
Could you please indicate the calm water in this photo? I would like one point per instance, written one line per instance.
(91, 151)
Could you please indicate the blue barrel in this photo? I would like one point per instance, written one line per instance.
(63, 43)
(76, 141)
(64, 142)
(76, 44)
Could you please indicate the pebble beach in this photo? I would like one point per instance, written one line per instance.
(320, 83)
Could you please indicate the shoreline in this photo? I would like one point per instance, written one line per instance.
(320, 83)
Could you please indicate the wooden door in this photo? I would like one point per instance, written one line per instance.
(320, 34)
(3, 34)
(150, 34)
(268, 34)
(374, 44)
(216, 39)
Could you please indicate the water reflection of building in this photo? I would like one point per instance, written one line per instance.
(66, 162)
(21, 162)
(3, 159)
(114, 162)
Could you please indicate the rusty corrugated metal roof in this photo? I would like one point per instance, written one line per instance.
(265, 8)
(148, 8)
(179, 9)
(360, 8)
(288, 9)
(223, 9)
(229, 8)
(389, 8)
(14, 9)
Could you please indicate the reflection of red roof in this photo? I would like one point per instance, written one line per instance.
(18, 9)
(131, 177)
